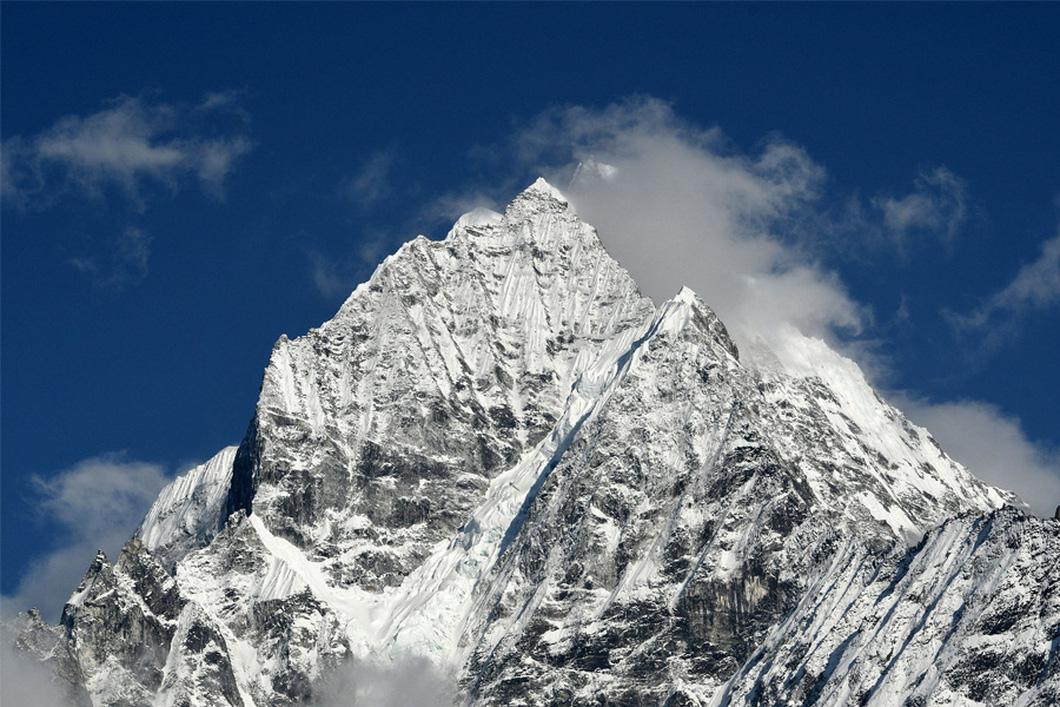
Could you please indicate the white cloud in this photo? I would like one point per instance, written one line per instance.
(330, 277)
(1037, 284)
(333, 278)
(406, 682)
(681, 206)
(226, 101)
(214, 160)
(678, 205)
(448, 207)
(127, 146)
(128, 154)
(98, 504)
(337, 277)
(938, 205)
(994, 447)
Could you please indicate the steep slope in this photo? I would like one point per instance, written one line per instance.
(501, 457)
(120, 622)
(189, 512)
(969, 616)
(377, 433)
(684, 520)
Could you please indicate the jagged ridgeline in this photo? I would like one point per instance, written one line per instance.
(501, 460)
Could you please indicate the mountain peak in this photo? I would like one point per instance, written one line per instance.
(502, 458)
(542, 188)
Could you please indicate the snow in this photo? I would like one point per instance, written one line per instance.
(893, 516)
(540, 187)
(477, 219)
(912, 481)
(436, 600)
(290, 571)
(85, 589)
(189, 507)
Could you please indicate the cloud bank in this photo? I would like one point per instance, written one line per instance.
(25, 680)
(409, 681)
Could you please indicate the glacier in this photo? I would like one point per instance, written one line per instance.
(501, 460)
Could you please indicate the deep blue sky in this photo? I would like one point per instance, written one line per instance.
(138, 315)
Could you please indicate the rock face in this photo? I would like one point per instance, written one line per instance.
(121, 622)
(971, 615)
(499, 459)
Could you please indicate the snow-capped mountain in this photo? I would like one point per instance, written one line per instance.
(500, 460)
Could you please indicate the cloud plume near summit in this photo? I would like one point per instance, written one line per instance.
(678, 205)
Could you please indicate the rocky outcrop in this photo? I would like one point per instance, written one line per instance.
(120, 623)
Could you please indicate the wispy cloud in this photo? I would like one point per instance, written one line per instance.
(993, 446)
(337, 277)
(448, 207)
(371, 184)
(1035, 287)
(406, 682)
(936, 207)
(124, 263)
(125, 157)
(127, 147)
(96, 504)
(369, 188)
(24, 680)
